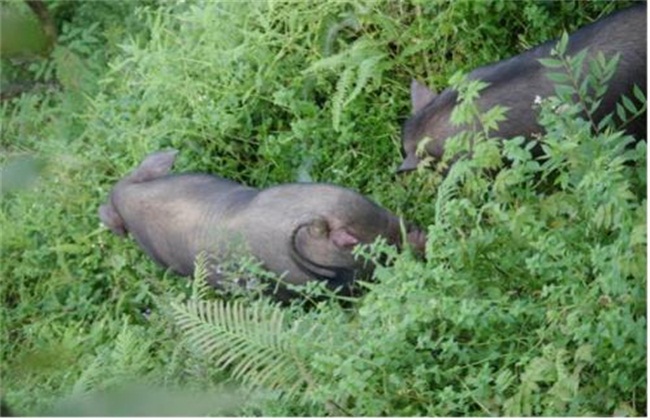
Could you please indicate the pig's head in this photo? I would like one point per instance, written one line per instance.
(324, 237)
(430, 119)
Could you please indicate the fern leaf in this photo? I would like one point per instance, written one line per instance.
(88, 379)
(332, 62)
(200, 286)
(251, 342)
(365, 71)
(338, 99)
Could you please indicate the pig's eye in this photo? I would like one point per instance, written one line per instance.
(318, 228)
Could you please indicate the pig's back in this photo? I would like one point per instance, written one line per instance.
(517, 82)
(176, 216)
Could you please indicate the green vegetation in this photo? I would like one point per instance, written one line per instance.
(532, 298)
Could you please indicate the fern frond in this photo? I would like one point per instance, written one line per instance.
(251, 342)
(89, 378)
(200, 285)
(121, 361)
(364, 72)
(338, 99)
(360, 62)
(332, 62)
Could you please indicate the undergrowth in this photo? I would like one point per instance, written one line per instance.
(532, 298)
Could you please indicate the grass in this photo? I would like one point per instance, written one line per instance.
(529, 303)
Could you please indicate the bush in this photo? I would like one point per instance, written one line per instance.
(532, 298)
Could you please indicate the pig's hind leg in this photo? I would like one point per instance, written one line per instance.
(154, 166)
(111, 218)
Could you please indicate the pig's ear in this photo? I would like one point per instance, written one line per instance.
(420, 95)
(417, 239)
(311, 250)
(319, 229)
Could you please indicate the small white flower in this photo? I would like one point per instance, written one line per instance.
(538, 100)
(216, 269)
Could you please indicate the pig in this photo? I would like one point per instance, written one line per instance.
(301, 231)
(517, 81)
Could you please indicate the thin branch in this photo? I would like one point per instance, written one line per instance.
(45, 18)
(17, 89)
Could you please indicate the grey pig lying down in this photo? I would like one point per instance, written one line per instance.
(517, 81)
(301, 231)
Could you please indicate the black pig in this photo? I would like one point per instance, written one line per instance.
(516, 82)
(301, 231)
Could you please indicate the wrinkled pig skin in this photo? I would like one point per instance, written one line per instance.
(302, 231)
(516, 82)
